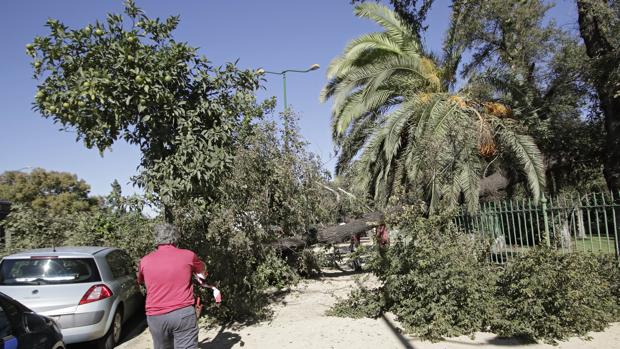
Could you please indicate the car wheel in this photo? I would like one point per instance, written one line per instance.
(59, 345)
(113, 337)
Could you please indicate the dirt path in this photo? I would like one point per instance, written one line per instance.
(299, 322)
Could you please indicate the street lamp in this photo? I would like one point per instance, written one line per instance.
(287, 133)
(283, 73)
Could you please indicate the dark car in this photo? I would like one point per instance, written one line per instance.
(21, 328)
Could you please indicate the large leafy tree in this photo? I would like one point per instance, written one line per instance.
(512, 51)
(520, 58)
(127, 78)
(274, 191)
(599, 25)
(57, 192)
(392, 109)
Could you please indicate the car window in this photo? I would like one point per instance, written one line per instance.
(117, 264)
(51, 270)
(5, 325)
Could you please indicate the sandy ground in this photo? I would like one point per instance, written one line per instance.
(300, 322)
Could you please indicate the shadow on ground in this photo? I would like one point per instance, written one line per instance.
(341, 272)
(222, 340)
(495, 342)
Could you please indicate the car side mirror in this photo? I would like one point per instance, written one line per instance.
(34, 322)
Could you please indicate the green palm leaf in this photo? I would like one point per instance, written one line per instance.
(528, 155)
(394, 123)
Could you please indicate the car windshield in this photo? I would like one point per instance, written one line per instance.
(44, 271)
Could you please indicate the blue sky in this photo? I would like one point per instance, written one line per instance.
(272, 34)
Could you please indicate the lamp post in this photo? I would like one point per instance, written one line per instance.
(286, 114)
(283, 73)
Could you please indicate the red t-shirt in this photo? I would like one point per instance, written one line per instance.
(167, 273)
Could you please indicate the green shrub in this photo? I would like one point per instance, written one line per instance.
(240, 262)
(359, 303)
(38, 228)
(275, 272)
(437, 281)
(610, 270)
(546, 295)
(273, 192)
(435, 278)
(309, 263)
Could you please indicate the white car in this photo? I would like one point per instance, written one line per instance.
(89, 291)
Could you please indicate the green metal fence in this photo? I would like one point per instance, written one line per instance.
(588, 223)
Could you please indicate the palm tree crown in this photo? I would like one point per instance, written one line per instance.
(398, 130)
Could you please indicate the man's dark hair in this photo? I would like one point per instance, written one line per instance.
(165, 233)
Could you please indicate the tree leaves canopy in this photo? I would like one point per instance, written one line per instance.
(127, 78)
(50, 190)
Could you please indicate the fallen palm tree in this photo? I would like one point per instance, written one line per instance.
(334, 233)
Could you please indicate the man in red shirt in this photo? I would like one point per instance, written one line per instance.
(167, 275)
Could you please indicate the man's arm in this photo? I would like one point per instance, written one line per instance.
(198, 266)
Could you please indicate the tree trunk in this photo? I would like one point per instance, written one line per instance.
(339, 233)
(581, 227)
(605, 59)
(168, 215)
(336, 233)
(611, 108)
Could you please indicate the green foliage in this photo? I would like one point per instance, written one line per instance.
(398, 128)
(508, 51)
(128, 78)
(439, 283)
(226, 181)
(551, 296)
(435, 278)
(599, 21)
(274, 191)
(522, 59)
(310, 262)
(36, 227)
(275, 272)
(610, 270)
(56, 192)
(412, 12)
(130, 231)
(359, 303)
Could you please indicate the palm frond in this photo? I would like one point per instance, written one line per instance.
(527, 154)
(356, 106)
(351, 145)
(469, 181)
(377, 74)
(390, 21)
(356, 52)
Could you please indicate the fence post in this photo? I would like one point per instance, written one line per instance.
(543, 201)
